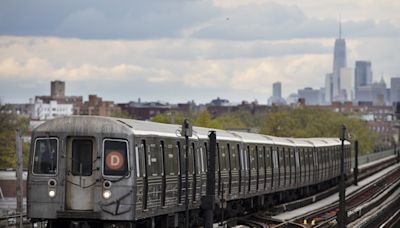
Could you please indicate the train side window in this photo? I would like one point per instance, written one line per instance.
(154, 161)
(245, 158)
(181, 160)
(171, 161)
(275, 159)
(198, 160)
(297, 158)
(140, 159)
(82, 158)
(115, 157)
(205, 154)
(191, 159)
(143, 158)
(240, 157)
(45, 156)
(162, 156)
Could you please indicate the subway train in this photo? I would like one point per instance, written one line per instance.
(92, 171)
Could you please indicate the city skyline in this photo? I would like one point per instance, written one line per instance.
(209, 49)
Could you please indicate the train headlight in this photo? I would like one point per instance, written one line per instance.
(107, 194)
(52, 193)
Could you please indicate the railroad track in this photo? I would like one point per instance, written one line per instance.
(326, 216)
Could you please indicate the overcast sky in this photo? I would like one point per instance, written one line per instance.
(176, 50)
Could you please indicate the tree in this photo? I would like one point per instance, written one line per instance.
(9, 122)
(306, 122)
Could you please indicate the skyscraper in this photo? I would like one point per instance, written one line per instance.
(328, 88)
(394, 90)
(339, 61)
(362, 76)
(346, 78)
(276, 97)
(277, 89)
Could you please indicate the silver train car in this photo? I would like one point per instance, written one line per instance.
(90, 171)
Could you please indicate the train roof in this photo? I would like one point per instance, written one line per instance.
(98, 124)
(253, 138)
(83, 125)
(302, 142)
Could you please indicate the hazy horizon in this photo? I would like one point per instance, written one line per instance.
(178, 51)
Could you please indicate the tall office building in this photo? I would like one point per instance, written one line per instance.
(276, 97)
(328, 88)
(277, 89)
(362, 76)
(346, 78)
(394, 90)
(310, 95)
(339, 61)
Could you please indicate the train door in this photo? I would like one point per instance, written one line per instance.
(286, 154)
(141, 172)
(252, 161)
(268, 161)
(302, 167)
(261, 169)
(241, 169)
(275, 169)
(193, 171)
(155, 171)
(229, 164)
(292, 167)
(298, 168)
(171, 171)
(281, 162)
(81, 156)
(311, 152)
(235, 167)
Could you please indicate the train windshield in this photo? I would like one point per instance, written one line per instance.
(45, 156)
(115, 157)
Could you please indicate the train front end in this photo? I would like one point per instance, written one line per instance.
(80, 173)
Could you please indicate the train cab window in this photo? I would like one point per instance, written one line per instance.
(82, 150)
(171, 161)
(115, 157)
(45, 156)
(154, 161)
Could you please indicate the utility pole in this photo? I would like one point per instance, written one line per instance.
(355, 171)
(342, 214)
(187, 132)
(208, 201)
(19, 173)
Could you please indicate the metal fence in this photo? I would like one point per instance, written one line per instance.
(373, 157)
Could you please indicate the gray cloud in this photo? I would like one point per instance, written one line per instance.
(102, 19)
